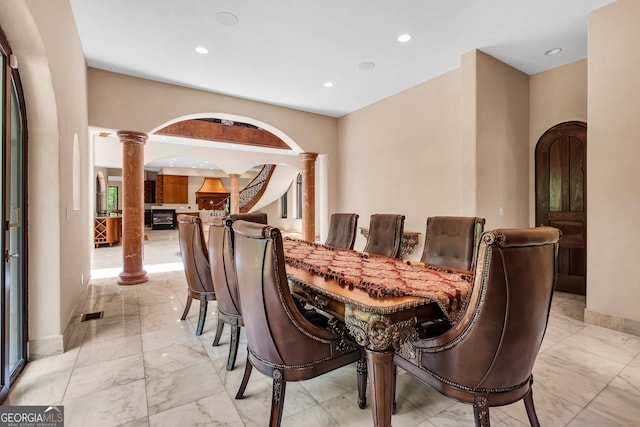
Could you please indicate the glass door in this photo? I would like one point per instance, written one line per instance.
(14, 243)
(13, 303)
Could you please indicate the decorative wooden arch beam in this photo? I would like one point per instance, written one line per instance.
(236, 133)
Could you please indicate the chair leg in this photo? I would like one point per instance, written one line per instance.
(202, 315)
(361, 369)
(186, 307)
(245, 379)
(277, 398)
(233, 348)
(481, 411)
(531, 410)
(393, 388)
(219, 329)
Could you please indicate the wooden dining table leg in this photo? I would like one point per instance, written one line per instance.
(380, 371)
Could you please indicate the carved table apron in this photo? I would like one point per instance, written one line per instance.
(381, 325)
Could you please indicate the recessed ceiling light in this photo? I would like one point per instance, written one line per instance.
(226, 18)
(367, 65)
(328, 84)
(403, 38)
(553, 51)
(202, 50)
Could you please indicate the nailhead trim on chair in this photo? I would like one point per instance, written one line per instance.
(280, 365)
(475, 390)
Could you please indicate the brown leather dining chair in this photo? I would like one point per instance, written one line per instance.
(223, 274)
(487, 358)
(342, 230)
(195, 259)
(452, 241)
(282, 343)
(385, 235)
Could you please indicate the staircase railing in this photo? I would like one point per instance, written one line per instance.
(250, 194)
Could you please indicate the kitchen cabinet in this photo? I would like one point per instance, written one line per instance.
(172, 189)
(107, 230)
(149, 191)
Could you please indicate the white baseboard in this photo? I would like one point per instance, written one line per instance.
(45, 347)
(612, 322)
(57, 344)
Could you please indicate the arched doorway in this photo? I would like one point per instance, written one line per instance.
(561, 198)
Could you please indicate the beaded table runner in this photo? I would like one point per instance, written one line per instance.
(382, 276)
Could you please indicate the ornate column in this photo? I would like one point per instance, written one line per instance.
(133, 207)
(308, 196)
(235, 193)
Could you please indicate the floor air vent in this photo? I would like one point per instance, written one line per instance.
(91, 316)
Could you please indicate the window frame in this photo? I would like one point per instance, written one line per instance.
(299, 196)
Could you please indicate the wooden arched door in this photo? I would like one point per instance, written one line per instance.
(561, 198)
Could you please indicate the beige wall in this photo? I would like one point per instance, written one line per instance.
(556, 96)
(455, 145)
(613, 209)
(401, 155)
(68, 73)
(120, 102)
(502, 143)
(43, 36)
(274, 211)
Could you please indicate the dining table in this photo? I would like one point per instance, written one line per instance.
(381, 302)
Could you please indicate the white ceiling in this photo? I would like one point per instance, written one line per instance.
(281, 52)
(178, 161)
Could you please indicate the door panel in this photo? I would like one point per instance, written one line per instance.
(14, 246)
(13, 243)
(561, 198)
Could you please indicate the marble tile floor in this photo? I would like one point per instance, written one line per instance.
(141, 366)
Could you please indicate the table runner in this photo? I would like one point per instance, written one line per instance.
(381, 276)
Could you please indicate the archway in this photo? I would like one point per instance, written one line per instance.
(239, 131)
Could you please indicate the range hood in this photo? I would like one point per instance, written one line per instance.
(212, 195)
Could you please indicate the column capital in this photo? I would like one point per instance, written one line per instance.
(132, 136)
(308, 156)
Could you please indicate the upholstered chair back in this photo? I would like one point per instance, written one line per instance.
(223, 273)
(385, 235)
(342, 230)
(195, 257)
(487, 357)
(452, 241)
(223, 270)
(195, 260)
(281, 342)
(276, 330)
